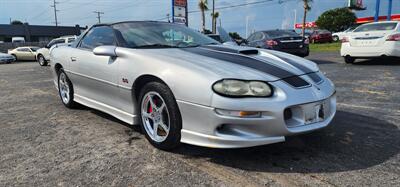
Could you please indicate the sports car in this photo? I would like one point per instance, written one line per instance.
(181, 86)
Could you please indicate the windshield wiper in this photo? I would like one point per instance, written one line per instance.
(155, 46)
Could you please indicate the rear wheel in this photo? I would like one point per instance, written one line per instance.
(160, 117)
(42, 61)
(349, 60)
(335, 38)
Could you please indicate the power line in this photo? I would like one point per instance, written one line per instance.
(98, 15)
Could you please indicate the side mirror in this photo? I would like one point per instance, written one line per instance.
(105, 51)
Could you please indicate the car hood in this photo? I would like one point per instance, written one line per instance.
(235, 61)
(3, 55)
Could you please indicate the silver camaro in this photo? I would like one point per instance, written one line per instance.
(182, 86)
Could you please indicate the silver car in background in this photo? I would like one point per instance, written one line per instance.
(6, 58)
(182, 86)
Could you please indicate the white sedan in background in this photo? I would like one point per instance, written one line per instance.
(43, 54)
(337, 36)
(372, 40)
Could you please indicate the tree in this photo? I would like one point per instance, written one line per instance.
(307, 7)
(235, 36)
(203, 5)
(16, 22)
(336, 20)
(214, 21)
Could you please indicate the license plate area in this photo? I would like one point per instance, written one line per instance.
(314, 113)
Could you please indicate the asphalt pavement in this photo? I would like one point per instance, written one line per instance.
(42, 143)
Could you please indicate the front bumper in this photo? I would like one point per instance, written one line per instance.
(204, 127)
(7, 60)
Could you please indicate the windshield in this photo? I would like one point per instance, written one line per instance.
(160, 35)
(281, 33)
(34, 49)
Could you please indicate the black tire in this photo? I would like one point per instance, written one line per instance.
(41, 60)
(172, 139)
(335, 38)
(70, 103)
(349, 60)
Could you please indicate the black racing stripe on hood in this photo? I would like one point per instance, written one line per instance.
(291, 62)
(250, 63)
(295, 64)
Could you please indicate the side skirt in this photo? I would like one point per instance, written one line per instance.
(122, 115)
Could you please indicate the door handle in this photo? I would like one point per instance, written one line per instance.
(73, 59)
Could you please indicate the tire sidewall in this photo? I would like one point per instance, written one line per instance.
(71, 103)
(174, 135)
(41, 57)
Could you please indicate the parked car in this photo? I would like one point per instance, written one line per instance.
(24, 53)
(43, 54)
(321, 36)
(182, 86)
(6, 58)
(337, 36)
(372, 40)
(223, 37)
(280, 40)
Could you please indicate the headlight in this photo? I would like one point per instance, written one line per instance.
(241, 88)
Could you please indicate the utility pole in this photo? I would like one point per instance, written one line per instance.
(247, 26)
(55, 11)
(214, 30)
(98, 15)
(295, 19)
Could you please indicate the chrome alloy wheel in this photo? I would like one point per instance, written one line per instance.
(41, 60)
(63, 88)
(155, 116)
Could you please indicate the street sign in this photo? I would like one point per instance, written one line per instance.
(179, 11)
(308, 25)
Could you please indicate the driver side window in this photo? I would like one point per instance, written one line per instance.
(98, 36)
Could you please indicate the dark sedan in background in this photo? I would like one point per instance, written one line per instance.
(321, 36)
(280, 40)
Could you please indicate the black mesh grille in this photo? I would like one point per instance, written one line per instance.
(296, 81)
(315, 77)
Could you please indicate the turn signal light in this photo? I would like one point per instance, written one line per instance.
(394, 37)
(345, 39)
(241, 114)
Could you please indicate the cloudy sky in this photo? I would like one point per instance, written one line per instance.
(271, 14)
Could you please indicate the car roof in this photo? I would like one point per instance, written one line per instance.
(115, 23)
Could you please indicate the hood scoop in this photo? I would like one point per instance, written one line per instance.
(248, 52)
(230, 50)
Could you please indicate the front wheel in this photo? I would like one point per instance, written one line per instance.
(160, 117)
(42, 61)
(349, 60)
(66, 90)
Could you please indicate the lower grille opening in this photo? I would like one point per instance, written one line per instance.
(287, 114)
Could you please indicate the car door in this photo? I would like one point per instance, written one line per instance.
(23, 53)
(95, 77)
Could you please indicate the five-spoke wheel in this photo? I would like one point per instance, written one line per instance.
(160, 117)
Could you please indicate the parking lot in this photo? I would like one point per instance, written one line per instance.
(45, 144)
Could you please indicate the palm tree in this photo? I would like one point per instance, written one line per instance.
(203, 5)
(307, 8)
(214, 16)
